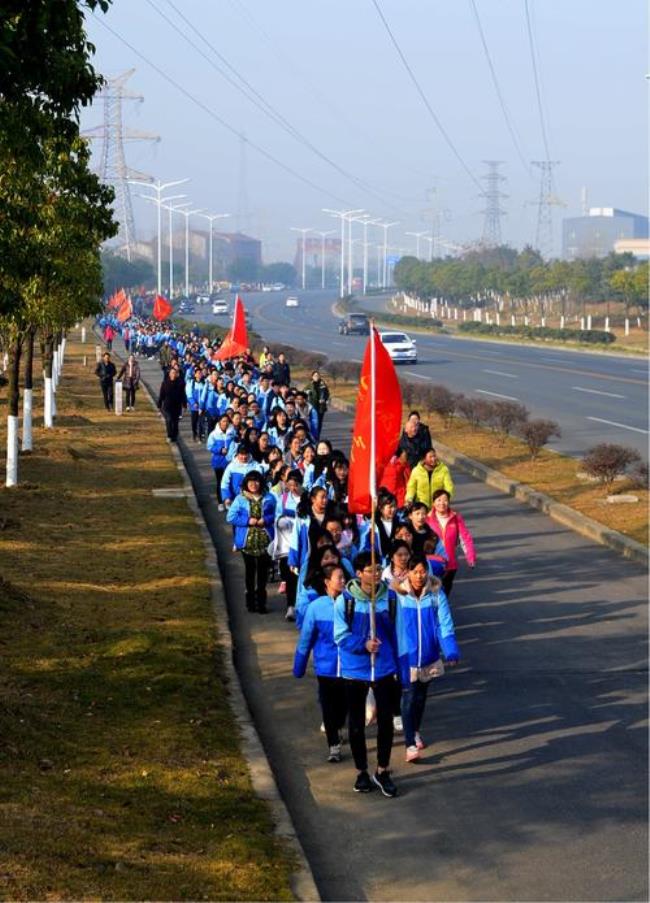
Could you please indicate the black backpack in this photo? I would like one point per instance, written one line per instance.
(350, 604)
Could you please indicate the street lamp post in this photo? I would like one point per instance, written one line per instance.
(161, 202)
(158, 187)
(367, 221)
(211, 217)
(187, 214)
(304, 239)
(386, 227)
(171, 208)
(418, 236)
(343, 215)
(322, 253)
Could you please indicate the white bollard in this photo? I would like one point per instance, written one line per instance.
(117, 398)
(48, 413)
(562, 322)
(498, 318)
(455, 313)
(83, 334)
(63, 341)
(582, 323)
(12, 451)
(606, 324)
(513, 321)
(98, 353)
(543, 322)
(589, 321)
(28, 402)
(488, 319)
(627, 326)
(464, 315)
(638, 322)
(525, 321)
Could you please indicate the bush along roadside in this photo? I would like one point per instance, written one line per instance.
(586, 336)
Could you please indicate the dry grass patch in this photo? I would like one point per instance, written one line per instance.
(120, 760)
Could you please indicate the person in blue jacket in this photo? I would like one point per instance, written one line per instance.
(425, 633)
(194, 391)
(252, 516)
(310, 516)
(368, 663)
(209, 401)
(218, 444)
(317, 638)
(235, 472)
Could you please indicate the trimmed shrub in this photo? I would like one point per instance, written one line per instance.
(589, 336)
(607, 461)
(442, 401)
(508, 416)
(536, 433)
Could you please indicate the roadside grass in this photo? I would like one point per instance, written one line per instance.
(552, 473)
(120, 761)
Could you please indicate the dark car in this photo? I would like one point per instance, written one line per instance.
(354, 324)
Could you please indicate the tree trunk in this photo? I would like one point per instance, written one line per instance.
(13, 399)
(47, 351)
(28, 396)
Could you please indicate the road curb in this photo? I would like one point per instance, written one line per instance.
(579, 523)
(302, 880)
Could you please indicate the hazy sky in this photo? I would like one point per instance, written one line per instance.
(330, 71)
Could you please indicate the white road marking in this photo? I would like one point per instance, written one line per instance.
(485, 351)
(500, 373)
(623, 426)
(556, 360)
(416, 375)
(496, 394)
(597, 392)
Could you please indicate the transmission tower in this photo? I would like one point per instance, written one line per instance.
(113, 168)
(493, 210)
(545, 203)
(242, 188)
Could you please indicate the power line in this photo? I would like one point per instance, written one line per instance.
(538, 93)
(241, 84)
(210, 112)
(425, 99)
(497, 88)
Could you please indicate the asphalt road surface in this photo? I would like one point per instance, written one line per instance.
(594, 397)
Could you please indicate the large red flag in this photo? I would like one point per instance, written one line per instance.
(126, 309)
(162, 309)
(236, 342)
(116, 299)
(377, 425)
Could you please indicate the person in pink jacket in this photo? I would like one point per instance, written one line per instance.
(450, 527)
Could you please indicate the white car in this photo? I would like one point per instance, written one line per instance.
(292, 302)
(400, 347)
(219, 307)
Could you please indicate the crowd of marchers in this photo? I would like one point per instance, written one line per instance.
(377, 623)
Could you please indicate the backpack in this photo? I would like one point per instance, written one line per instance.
(350, 604)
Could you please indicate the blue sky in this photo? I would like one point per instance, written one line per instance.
(329, 69)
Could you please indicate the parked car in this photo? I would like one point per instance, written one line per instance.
(292, 301)
(400, 347)
(220, 307)
(354, 324)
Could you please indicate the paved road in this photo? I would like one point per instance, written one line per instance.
(535, 784)
(594, 398)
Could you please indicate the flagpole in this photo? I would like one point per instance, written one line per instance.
(373, 486)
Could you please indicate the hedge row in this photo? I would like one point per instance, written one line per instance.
(590, 336)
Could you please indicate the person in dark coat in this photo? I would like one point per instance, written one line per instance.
(130, 374)
(105, 371)
(415, 439)
(171, 401)
(282, 371)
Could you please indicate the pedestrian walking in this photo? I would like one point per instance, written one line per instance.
(130, 376)
(171, 401)
(219, 444)
(106, 371)
(109, 335)
(427, 476)
(318, 395)
(450, 527)
(252, 516)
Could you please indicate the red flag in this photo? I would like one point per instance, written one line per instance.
(126, 309)
(236, 342)
(162, 309)
(116, 299)
(377, 425)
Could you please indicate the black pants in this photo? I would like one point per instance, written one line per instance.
(218, 473)
(447, 581)
(109, 344)
(171, 421)
(334, 704)
(257, 574)
(197, 424)
(291, 580)
(212, 422)
(130, 396)
(107, 392)
(356, 691)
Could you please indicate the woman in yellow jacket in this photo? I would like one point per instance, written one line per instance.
(427, 477)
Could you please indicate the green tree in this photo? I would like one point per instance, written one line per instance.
(118, 272)
(243, 269)
(279, 272)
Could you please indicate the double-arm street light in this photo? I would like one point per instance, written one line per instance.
(171, 208)
(211, 217)
(386, 227)
(159, 187)
(323, 236)
(343, 215)
(187, 214)
(304, 239)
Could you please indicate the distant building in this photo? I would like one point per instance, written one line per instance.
(596, 235)
(226, 248)
(314, 252)
(640, 247)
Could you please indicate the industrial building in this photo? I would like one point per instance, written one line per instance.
(596, 234)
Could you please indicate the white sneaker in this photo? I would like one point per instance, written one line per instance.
(322, 727)
(219, 507)
(398, 727)
(334, 753)
(291, 614)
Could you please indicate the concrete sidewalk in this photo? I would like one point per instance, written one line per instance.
(535, 783)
